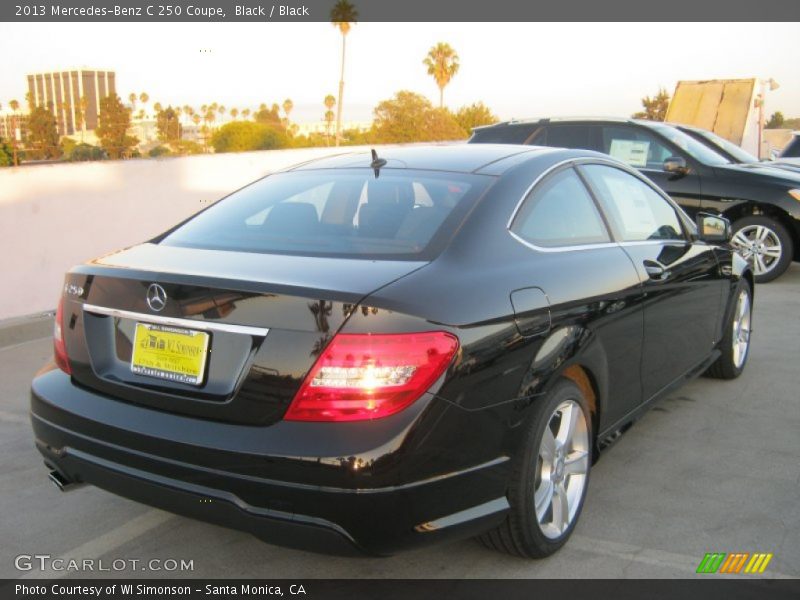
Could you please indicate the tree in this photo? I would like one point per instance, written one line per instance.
(132, 97)
(157, 107)
(474, 115)
(144, 99)
(14, 105)
(288, 105)
(234, 113)
(410, 117)
(329, 117)
(329, 102)
(343, 17)
(655, 108)
(443, 63)
(245, 113)
(42, 141)
(169, 125)
(6, 154)
(112, 127)
(243, 136)
(268, 116)
(776, 121)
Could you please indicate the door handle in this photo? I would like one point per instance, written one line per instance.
(655, 270)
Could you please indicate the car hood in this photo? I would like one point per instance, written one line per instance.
(786, 177)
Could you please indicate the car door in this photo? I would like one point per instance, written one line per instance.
(592, 288)
(680, 276)
(645, 151)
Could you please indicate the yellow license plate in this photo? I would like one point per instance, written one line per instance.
(169, 353)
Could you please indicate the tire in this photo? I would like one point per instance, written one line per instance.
(735, 343)
(755, 238)
(521, 534)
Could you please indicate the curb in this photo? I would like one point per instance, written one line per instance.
(25, 329)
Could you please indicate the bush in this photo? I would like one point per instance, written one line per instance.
(243, 136)
(83, 152)
(159, 151)
(6, 154)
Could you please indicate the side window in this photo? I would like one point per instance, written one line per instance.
(636, 211)
(635, 147)
(560, 212)
(569, 136)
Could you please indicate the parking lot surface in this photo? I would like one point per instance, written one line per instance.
(713, 468)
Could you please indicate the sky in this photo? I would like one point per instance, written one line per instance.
(518, 69)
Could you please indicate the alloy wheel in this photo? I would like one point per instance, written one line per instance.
(741, 329)
(760, 246)
(563, 463)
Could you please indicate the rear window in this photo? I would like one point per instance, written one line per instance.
(503, 134)
(344, 212)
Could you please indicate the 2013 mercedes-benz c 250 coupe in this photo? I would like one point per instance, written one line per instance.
(376, 352)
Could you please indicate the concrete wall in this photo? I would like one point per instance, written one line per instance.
(55, 216)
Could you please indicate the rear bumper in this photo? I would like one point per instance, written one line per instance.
(255, 480)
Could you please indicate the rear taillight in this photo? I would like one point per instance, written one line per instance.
(368, 376)
(59, 349)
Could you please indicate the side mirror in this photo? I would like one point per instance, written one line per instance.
(713, 228)
(676, 165)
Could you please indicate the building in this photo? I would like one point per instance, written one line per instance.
(13, 125)
(73, 96)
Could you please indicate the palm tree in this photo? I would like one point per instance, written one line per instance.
(343, 17)
(234, 113)
(442, 63)
(245, 113)
(221, 110)
(288, 105)
(144, 98)
(330, 102)
(14, 105)
(329, 116)
(132, 98)
(157, 107)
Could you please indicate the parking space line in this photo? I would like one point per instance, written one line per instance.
(105, 543)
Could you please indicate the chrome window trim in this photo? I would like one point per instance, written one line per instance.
(176, 322)
(592, 160)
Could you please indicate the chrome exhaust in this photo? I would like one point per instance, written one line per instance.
(62, 483)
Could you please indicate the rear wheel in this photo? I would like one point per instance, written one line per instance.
(765, 244)
(550, 477)
(736, 341)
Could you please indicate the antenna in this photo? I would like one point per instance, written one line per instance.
(377, 163)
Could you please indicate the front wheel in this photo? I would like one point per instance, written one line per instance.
(765, 244)
(550, 476)
(736, 341)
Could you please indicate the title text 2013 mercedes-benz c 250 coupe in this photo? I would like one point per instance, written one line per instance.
(379, 352)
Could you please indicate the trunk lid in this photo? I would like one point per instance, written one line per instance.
(266, 319)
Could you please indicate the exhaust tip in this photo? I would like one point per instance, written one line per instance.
(62, 483)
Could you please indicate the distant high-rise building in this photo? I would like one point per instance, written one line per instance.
(62, 93)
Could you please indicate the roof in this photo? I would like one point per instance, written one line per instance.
(534, 121)
(463, 158)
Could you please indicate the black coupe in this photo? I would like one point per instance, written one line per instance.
(377, 352)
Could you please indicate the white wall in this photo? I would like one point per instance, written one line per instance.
(55, 216)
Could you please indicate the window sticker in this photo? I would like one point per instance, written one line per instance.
(632, 152)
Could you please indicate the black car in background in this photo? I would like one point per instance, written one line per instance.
(731, 151)
(381, 352)
(762, 202)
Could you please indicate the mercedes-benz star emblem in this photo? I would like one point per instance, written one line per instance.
(156, 297)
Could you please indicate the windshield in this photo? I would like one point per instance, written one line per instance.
(342, 212)
(792, 149)
(697, 150)
(735, 151)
